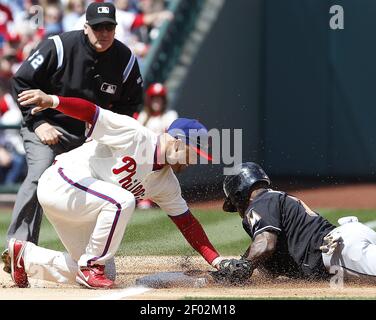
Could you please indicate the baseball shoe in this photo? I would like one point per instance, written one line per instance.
(5, 258)
(93, 277)
(17, 266)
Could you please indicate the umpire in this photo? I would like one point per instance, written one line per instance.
(89, 64)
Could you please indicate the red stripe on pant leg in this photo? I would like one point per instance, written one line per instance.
(104, 197)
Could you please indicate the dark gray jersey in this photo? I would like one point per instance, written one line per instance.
(300, 231)
(67, 65)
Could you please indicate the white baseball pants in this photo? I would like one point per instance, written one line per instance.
(89, 216)
(356, 256)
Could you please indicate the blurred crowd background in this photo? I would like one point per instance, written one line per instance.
(25, 23)
(301, 92)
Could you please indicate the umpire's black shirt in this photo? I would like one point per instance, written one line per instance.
(67, 65)
(300, 233)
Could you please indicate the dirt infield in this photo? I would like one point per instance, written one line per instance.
(360, 196)
(350, 196)
(131, 268)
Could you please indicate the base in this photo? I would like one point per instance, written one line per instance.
(172, 280)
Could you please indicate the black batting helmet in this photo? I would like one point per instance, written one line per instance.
(238, 187)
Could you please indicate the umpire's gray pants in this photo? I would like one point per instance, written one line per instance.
(27, 213)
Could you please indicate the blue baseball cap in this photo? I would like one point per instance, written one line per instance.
(193, 133)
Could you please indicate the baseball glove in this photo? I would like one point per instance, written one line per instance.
(233, 271)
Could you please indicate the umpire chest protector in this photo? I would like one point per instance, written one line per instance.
(80, 69)
(67, 65)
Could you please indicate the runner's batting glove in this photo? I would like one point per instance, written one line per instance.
(331, 242)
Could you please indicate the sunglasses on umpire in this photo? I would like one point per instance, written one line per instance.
(103, 26)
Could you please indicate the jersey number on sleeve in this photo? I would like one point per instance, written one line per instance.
(36, 59)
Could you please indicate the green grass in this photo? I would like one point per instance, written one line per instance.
(333, 215)
(281, 298)
(151, 232)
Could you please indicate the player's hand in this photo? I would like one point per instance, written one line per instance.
(37, 97)
(48, 134)
(233, 271)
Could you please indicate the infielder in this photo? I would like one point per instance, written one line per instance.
(88, 63)
(289, 238)
(89, 193)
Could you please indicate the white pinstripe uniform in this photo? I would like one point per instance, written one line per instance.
(67, 65)
(89, 195)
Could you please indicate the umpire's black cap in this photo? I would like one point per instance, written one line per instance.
(98, 12)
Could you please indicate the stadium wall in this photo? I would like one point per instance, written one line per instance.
(302, 93)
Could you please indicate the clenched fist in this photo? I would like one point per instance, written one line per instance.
(48, 134)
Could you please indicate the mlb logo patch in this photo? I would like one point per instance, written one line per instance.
(103, 10)
(108, 88)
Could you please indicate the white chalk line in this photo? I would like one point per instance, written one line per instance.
(125, 293)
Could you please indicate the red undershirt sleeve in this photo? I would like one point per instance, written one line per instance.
(77, 108)
(3, 106)
(195, 235)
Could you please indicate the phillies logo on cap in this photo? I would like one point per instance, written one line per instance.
(103, 10)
